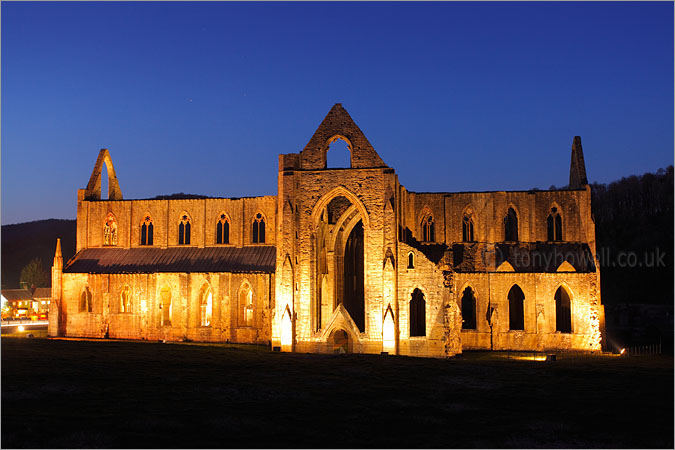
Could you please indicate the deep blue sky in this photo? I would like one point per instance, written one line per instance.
(202, 97)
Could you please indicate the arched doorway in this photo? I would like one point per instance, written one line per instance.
(353, 276)
(338, 271)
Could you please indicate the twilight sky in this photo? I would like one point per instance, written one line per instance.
(202, 97)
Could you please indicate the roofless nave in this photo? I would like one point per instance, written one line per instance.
(339, 260)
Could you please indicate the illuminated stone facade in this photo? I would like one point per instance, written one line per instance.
(362, 264)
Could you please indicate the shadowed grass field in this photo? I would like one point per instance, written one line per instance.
(58, 393)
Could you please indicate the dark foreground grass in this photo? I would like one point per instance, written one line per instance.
(127, 394)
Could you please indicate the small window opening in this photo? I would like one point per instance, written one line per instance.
(184, 231)
(258, 229)
(428, 229)
(246, 306)
(104, 181)
(110, 230)
(516, 308)
(223, 230)
(468, 310)
(165, 306)
(411, 260)
(554, 225)
(147, 231)
(563, 317)
(417, 314)
(206, 306)
(467, 229)
(85, 300)
(125, 300)
(338, 155)
(511, 226)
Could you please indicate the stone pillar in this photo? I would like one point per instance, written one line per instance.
(57, 311)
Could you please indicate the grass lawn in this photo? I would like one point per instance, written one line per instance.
(58, 393)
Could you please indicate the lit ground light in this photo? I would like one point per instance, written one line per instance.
(128, 394)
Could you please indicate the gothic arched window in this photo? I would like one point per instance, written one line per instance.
(110, 230)
(258, 229)
(511, 226)
(467, 228)
(147, 231)
(428, 228)
(563, 316)
(417, 314)
(165, 306)
(205, 305)
(245, 305)
(468, 310)
(85, 300)
(125, 300)
(223, 230)
(184, 230)
(554, 226)
(516, 308)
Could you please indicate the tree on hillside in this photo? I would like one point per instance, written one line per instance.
(33, 274)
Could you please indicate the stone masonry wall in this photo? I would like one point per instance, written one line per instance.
(144, 320)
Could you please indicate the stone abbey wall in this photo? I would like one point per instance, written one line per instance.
(143, 317)
(166, 216)
(357, 267)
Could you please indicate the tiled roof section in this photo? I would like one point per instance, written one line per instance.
(253, 259)
(17, 294)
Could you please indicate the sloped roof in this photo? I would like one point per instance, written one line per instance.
(42, 293)
(253, 259)
(17, 294)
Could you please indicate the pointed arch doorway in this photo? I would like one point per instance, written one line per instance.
(339, 270)
(353, 299)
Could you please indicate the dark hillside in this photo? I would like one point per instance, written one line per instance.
(25, 241)
(634, 229)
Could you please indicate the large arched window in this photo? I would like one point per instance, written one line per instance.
(563, 316)
(467, 228)
(205, 305)
(85, 300)
(258, 229)
(184, 230)
(554, 226)
(516, 308)
(147, 231)
(511, 226)
(245, 305)
(125, 300)
(418, 320)
(223, 230)
(427, 226)
(468, 310)
(110, 230)
(165, 306)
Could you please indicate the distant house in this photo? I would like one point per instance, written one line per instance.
(24, 303)
(18, 301)
(41, 299)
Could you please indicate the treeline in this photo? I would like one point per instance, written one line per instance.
(634, 229)
(23, 242)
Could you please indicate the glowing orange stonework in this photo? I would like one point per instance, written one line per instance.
(340, 260)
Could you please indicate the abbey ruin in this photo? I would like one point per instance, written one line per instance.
(340, 260)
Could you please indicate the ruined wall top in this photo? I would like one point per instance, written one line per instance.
(93, 191)
(338, 124)
(577, 166)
